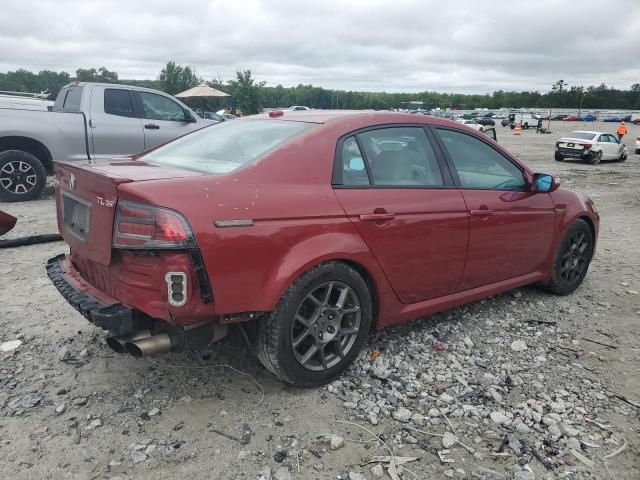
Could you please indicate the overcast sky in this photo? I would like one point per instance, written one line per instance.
(465, 46)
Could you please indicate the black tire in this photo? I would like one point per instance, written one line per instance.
(637, 151)
(275, 342)
(595, 158)
(22, 176)
(526, 126)
(558, 157)
(512, 126)
(623, 157)
(563, 281)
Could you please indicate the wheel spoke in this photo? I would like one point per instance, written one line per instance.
(338, 347)
(350, 330)
(301, 337)
(350, 310)
(343, 296)
(306, 322)
(309, 354)
(328, 294)
(323, 357)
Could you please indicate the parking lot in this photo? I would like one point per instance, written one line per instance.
(72, 408)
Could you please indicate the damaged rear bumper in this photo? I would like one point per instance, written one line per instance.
(102, 311)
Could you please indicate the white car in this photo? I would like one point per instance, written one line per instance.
(591, 147)
(638, 144)
(471, 123)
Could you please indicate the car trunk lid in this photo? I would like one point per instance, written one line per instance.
(86, 200)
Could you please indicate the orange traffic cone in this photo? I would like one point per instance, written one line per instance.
(518, 129)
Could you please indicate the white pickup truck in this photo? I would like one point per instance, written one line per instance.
(88, 121)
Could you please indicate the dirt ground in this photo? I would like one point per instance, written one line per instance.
(71, 408)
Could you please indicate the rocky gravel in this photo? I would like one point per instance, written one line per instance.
(521, 386)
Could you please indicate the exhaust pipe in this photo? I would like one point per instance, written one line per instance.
(150, 345)
(117, 344)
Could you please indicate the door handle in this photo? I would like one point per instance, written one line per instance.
(483, 212)
(152, 126)
(377, 217)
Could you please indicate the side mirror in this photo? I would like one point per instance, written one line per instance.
(543, 183)
(491, 132)
(188, 117)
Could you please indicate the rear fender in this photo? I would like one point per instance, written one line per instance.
(331, 246)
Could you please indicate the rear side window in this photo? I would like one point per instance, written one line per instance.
(118, 102)
(69, 100)
(478, 165)
(354, 171)
(157, 107)
(227, 146)
(401, 156)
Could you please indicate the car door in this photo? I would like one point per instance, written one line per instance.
(114, 127)
(402, 201)
(616, 147)
(510, 227)
(608, 149)
(163, 119)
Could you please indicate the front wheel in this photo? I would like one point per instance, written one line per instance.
(318, 327)
(22, 176)
(572, 259)
(623, 157)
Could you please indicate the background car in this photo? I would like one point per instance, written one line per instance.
(613, 119)
(638, 144)
(558, 117)
(586, 118)
(571, 118)
(306, 230)
(471, 123)
(591, 147)
(486, 121)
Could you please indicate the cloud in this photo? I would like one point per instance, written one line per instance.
(451, 46)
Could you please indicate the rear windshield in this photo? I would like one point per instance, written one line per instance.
(227, 146)
(582, 135)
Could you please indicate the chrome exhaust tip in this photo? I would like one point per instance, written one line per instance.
(117, 344)
(150, 345)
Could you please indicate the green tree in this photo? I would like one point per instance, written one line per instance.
(100, 75)
(247, 92)
(176, 78)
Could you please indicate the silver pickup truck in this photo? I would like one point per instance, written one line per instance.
(88, 121)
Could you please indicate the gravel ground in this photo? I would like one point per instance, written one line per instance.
(524, 385)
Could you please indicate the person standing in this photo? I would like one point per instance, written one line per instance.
(622, 131)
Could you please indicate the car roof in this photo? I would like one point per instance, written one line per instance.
(586, 131)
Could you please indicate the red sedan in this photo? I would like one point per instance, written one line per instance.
(307, 229)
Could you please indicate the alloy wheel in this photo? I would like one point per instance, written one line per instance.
(18, 177)
(575, 258)
(326, 326)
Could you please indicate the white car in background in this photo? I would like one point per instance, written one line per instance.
(591, 147)
(471, 123)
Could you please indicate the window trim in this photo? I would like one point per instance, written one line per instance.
(454, 170)
(133, 106)
(338, 162)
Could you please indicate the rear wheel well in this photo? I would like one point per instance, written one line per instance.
(31, 146)
(368, 278)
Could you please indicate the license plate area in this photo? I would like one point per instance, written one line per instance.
(571, 145)
(76, 216)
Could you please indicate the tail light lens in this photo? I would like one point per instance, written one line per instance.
(141, 226)
(587, 146)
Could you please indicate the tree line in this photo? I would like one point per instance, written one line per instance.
(250, 96)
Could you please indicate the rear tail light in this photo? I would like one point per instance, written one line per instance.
(587, 146)
(140, 226)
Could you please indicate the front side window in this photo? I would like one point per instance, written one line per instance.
(226, 146)
(118, 102)
(612, 139)
(479, 166)
(401, 156)
(157, 107)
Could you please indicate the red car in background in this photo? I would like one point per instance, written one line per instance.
(571, 118)
(308, 229)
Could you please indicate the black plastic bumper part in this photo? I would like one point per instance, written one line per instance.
(115, 318)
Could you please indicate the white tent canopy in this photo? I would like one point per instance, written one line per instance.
(202, 90)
